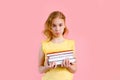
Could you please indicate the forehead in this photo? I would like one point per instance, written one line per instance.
(57, 21)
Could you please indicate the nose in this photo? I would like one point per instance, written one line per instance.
(57, 28)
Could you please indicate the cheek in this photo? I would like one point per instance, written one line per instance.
(53, 30)
(62, 30)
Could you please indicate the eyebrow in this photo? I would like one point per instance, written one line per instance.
(59, 23)
(54, 24)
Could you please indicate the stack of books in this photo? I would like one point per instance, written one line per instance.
(58, 57)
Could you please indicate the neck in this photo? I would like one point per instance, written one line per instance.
(58, 39)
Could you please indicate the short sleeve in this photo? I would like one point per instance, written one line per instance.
(73, 46)
(74, 50)
(43, 46)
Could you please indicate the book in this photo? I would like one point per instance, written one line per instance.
(58, 57)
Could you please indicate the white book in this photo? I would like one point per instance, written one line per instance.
(58, 57)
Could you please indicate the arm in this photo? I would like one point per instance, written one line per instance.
(44, 68)
(72, 68)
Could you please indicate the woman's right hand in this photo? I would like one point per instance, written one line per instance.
(51, 65)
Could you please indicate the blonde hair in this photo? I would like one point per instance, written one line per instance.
(47, 30)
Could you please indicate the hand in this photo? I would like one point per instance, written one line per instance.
(50, 65)
(66, 63)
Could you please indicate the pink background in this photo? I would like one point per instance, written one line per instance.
(93, 24)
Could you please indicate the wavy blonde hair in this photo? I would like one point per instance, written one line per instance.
(47, 30)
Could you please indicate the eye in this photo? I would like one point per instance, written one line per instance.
(53, 25)
(60, 24)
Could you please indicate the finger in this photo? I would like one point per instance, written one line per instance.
(52, 65)
(64, 63)
(55, 65)
(72, 63)
(68, 62)
(47, 61)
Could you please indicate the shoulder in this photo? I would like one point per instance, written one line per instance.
(71, 41)
(44, 42)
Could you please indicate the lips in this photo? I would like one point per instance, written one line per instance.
(57, 33)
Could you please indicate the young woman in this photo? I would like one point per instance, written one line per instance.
(55, 29)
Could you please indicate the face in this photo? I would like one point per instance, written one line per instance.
(58, 26)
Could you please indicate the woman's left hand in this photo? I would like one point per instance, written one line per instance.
(66, 63)
(70, 66)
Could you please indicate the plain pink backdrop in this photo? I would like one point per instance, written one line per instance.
(93, 24)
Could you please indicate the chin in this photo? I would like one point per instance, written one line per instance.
(57, 35)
